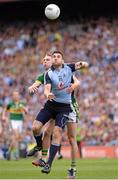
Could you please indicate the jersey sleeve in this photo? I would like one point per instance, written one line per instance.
(8, 106)
(72, 66)
(22, 104)
(47, 79)
(40, 79)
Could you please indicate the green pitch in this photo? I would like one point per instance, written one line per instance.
(86, 169)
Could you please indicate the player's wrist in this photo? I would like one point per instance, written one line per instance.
(46, 95)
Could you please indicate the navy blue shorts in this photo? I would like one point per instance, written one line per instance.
(54, 110)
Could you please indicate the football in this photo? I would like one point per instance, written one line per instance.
(52, 11)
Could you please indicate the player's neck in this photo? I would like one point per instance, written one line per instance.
(58, 67)
(16, 101)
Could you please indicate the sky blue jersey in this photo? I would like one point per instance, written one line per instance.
(60, 80)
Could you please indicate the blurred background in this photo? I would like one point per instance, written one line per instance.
(85, 29)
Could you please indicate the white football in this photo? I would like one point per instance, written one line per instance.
(52, 11)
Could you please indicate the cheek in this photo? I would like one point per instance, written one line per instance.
(61, 61)
(49, 63)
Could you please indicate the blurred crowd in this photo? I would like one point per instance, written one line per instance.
(22, 46)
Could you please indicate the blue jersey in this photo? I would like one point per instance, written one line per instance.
(60, 80)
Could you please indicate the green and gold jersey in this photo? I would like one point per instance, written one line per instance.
(16, 110)
(40, 79)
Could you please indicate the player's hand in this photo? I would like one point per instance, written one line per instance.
(4, 118)
(32, 89)
(70, 89)
(81, 64)
(85, 64)
(50, 96)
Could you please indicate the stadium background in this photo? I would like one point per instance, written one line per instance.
(25, 9)
(25, 35)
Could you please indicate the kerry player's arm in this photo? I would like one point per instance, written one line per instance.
(34, 87)
(74, 85)
(23, 107)
(78, 65)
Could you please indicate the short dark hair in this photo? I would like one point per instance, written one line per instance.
(48, 54)
(59, 52)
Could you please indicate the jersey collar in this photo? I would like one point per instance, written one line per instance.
(53, 68)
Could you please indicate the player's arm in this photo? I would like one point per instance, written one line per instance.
(80, 65)
(47, 88)
(4, 113)
(5, 109)
(47, 92)
(74, 85)
(24, 108)
(34, 87)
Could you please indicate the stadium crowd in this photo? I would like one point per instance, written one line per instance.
(22, 45)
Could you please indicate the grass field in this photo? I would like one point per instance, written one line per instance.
(86, 169)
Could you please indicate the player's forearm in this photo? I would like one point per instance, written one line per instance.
(76, 83)
(34, 87)
(25, 110)
(4, 113)
(36, 84)
(47, 89)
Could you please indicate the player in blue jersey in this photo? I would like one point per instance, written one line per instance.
(58, 106)
(58, 79)
(71, 125)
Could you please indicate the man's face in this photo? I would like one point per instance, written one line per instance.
(16, 96)
(47, 62)
(57, 59)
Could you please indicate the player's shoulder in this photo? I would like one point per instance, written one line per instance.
(48, 75)
(71, 66)
(41, 75)
(48, 72)
(68, 65)
(10, 104)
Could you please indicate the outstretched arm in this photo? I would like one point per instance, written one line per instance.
(81, 64)
(34, 87)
